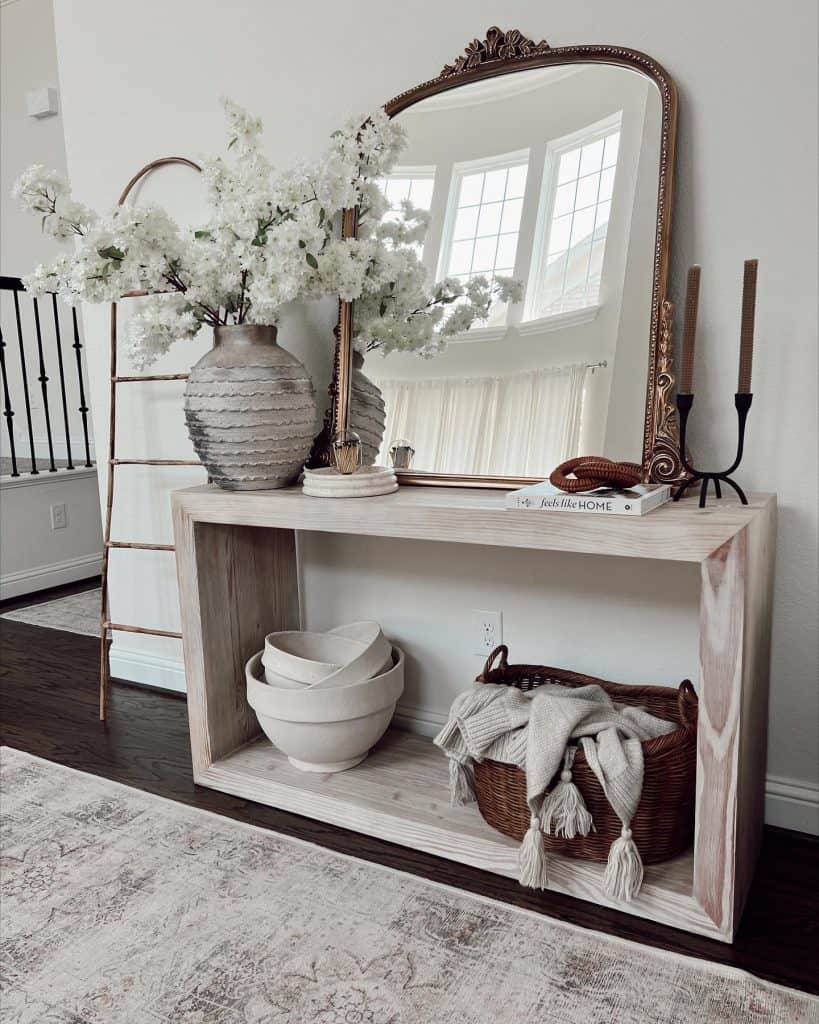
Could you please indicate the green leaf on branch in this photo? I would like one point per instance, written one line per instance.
(233, 142)
(111, 252)
(311, 261)
(203, 234)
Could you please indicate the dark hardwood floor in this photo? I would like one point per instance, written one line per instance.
(48, 688)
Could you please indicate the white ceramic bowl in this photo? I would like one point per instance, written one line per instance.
(306, 657)
(345, 655)
(375, 657)
(326, 730)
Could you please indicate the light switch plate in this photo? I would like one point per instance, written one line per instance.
(59, 516)
(41, 102)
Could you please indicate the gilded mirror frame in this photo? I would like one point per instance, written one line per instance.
(499, 53)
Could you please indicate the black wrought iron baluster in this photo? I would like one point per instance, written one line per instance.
(83, 407)
(8, 412)
(24, 375)
(59, 347)
(43, 379)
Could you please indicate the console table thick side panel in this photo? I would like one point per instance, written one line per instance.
(238, 580)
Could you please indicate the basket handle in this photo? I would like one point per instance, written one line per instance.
(501, 650)
(687, 702)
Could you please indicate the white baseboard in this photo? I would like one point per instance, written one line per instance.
(421, 721)
(28, 581)
(147, 669)
(789, 803)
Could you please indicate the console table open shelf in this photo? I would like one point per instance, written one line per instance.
(238, 580)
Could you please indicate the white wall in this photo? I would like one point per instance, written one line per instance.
(28, 60)
(142, 84)
(32, 555)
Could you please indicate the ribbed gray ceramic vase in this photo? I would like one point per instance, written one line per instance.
(250, 408)
(368, 416)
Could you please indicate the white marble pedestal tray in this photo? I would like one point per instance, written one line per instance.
(364, 483)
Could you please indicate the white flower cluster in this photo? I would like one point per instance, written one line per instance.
(41, 192)
(397, 310)
(162, 320)
(269, 239)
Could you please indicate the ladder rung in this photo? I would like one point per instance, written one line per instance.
(140, 629)
(154, 462)
(157, 376)
(140, 293)
(139, 546)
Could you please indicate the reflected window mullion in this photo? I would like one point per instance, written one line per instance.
(594, 228)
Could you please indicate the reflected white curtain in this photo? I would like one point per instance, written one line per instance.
(523, 424)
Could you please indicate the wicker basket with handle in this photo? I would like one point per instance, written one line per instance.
(663, 825)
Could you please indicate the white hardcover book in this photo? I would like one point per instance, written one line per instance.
(635, 501)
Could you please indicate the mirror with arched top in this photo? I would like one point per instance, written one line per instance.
(543, 176)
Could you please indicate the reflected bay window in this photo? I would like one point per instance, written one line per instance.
(572, 221)
(483, 220)
(413, 183)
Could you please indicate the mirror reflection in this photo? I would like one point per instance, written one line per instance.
(540, 188)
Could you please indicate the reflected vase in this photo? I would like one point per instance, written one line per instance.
(368, 413)
(250, 409)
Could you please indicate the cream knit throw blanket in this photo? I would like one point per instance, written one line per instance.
(535, 731)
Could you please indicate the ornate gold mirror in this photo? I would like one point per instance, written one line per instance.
(546, 173)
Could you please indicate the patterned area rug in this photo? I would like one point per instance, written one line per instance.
(119, 906)
(77, 613)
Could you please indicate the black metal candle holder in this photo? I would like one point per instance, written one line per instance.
(742, 402)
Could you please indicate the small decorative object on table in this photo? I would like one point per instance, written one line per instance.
(346, 450)
(591, 471)
(634, 501)
(575, 765)
(401, 453)
(596, 486)
(366, 482)
(743, 397)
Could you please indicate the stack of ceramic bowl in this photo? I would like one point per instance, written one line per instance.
(324, 699)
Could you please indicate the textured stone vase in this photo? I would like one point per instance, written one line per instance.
(368, 416)
(250, 408)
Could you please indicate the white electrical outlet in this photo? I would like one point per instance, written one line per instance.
(487, 631)
(59, 516)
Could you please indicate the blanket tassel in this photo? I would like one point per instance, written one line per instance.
(461, 790)
(624, 871)
(565, 812)
(534, 861)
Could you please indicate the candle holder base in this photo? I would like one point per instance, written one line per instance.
(706, 479)
(742, 403)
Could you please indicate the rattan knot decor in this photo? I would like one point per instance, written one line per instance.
(592, 471)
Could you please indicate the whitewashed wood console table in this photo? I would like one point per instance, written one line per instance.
(236, 559)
